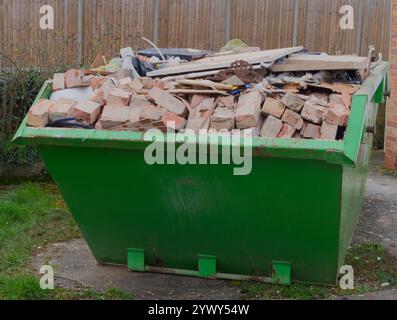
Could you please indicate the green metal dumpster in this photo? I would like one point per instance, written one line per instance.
(292, 218)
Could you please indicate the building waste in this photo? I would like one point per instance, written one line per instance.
(283, 93)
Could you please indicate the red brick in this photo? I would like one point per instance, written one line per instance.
(292, 118)
(312, 131)
(172, 121)
(58, 82)
(168, 102)
(337, 114)
(38, 115)
(273, 107)
(87, 111)
(119, 97)
(271, 127)
(73, 78)
(248, 111)
(287, 132)
(62, 108)
(313, 113)
(328, 131)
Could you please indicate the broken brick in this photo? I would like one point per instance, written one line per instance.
(97, 82)
(227, 102)
(125, 83)
(114, 116)
(152, 112)
(58, 82)
(99, 97)
(167, 101)
(293, 102)
(337, 114)
(287, 131)
(200, 117)
(63, 108)
(73, 78)
(38, 115)
(88, 111)
(172, 121)
(292, 118)
(271, 127)
(248, 110)
(329, 131)
(320, 99)
(273, 107)
(147, 83)
(119, 97)
(223, 118)
(313, 113)
(312, 131)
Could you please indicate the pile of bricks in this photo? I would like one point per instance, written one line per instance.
(121, 103)
(315, 116)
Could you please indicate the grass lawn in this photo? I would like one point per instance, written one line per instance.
(33, 215)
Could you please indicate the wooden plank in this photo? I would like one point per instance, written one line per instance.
(225, 61)
(308, 62)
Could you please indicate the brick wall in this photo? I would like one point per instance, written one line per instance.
(391, 116)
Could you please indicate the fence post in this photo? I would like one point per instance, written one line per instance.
(296, 23)
(80, 32)
(156, 22)
(228, 20)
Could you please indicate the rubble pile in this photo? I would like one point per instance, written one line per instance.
(225, 92)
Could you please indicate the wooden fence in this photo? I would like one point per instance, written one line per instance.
(84, 27)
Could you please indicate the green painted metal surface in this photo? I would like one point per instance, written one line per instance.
(299, 205)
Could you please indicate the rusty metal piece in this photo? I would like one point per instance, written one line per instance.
(242, 69)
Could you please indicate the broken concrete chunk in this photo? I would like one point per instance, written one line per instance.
(172, 121)
(293, 102)
(337, 114)
(271, 127)
(273, 107)
(88, 111)
(329, 131)
(248, 110)
(223, 118)
(58, 83)
(168, 102)
(313, 113)
(62, 108)
(200, 117)
(287, 131)
(119, 97)
(73, 78)
(292, 118)
(38, 115)
(312, 131)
